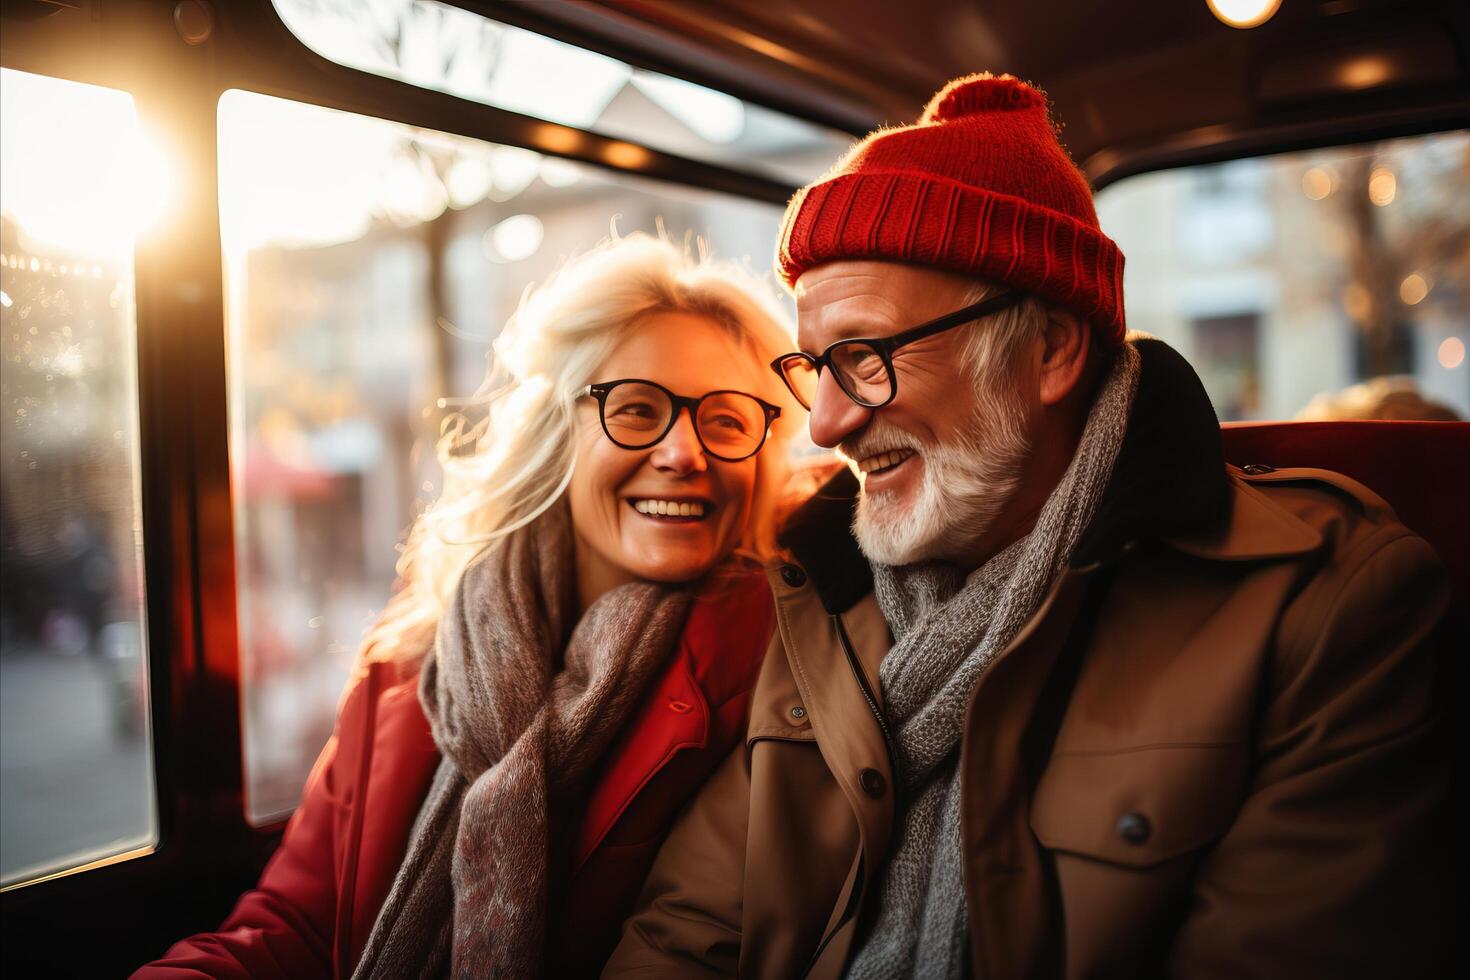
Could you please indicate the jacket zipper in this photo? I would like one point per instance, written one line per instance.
(857, 673)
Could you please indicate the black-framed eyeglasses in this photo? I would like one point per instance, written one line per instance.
(636, 414)
(863, 366)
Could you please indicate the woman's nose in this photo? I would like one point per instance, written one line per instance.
(834, 416)
(680, 452)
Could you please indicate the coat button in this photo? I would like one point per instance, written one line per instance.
(1134, 828)
(793, 576)
(873, 783)
(798, 712)
(1257, 469)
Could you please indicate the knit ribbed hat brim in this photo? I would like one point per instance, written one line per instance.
(979, 186)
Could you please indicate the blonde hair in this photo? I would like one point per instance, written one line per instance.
(504, 471)
(1394, 397)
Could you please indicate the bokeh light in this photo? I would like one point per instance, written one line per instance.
(1382, 186)
(1357, 302)
(1366, 72)
(626, 155)
(556, 172)
(514, 239)
(1316, 183)
(1451, 353)
(1413, 289)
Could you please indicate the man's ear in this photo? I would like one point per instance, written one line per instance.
(1067, 340)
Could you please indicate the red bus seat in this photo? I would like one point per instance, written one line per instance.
(1421, 468)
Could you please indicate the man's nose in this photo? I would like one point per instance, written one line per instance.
(679, 453)
(834, 416)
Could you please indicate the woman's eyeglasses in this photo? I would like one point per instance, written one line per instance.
(637, 414)
(863, 367)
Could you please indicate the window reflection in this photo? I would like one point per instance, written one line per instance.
(448, 49)
(1291, 279)
(369, 266)
(76, 780)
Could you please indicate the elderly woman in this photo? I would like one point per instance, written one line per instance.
(571, 653)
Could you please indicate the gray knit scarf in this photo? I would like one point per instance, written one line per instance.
(522, 714)
(947, 630)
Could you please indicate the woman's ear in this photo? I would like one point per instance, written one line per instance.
(1066, 342)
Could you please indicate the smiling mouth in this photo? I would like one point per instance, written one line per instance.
(672, 511)
(882, 462)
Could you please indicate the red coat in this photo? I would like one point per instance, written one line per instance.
(319, 896)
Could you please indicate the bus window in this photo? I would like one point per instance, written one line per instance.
(369, 265)
(448, 49)
(76, 777)
(1290, 281)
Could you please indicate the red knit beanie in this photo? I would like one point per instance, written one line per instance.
(979, 185)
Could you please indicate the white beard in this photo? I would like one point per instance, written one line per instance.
(965, 485)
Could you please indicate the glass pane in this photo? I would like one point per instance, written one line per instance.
(445, 48)
(1328, 284)
(76, 776)
(369, 266)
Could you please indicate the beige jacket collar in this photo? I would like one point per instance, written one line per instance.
(1255, 529)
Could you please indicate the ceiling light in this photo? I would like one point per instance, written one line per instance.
(1243, 13)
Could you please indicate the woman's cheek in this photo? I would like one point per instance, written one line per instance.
(594, 488)
(740, 492)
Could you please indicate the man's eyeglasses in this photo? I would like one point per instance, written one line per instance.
(637, 414)
(863, 367)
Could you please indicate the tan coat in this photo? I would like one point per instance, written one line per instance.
(1205, 756)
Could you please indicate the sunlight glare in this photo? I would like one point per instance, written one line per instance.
(296, 174)
(80, 173)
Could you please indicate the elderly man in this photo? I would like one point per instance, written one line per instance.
(1058, 693)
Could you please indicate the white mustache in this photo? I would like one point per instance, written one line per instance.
(882, 439)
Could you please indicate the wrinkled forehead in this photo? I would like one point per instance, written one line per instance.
(871, 299)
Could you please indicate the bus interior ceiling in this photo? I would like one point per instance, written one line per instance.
(1136, 87)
